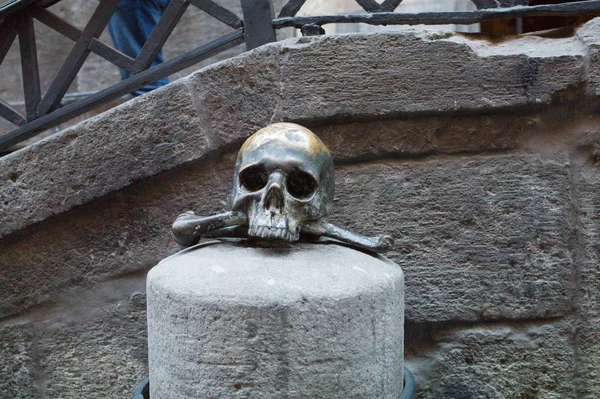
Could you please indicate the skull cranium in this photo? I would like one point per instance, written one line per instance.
(283, 178)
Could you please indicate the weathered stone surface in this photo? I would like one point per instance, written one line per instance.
(182, 122)
(418, 137)
(66, 250)
(531, 360)
(481, 238)
(235, 98)
(303, 321)
(588, 339)
(90, 342)
(589, 34)
(128, 143)
(17, 369)
(117, 234)
(339, 77)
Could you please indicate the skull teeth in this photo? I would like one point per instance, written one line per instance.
(270, 232)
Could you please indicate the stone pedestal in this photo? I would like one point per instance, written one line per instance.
(308, 321)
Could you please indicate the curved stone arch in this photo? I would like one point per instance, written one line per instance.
(315, 81)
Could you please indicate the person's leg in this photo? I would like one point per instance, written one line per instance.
(129, 29)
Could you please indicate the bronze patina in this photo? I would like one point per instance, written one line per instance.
(283, 186)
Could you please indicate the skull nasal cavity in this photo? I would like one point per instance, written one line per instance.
(274, 198)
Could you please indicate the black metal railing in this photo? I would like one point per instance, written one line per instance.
(46, 110)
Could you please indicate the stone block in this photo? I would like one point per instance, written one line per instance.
(18, 365)
(90, 342)
(588, 259)
(419, 137)
(239, 96)
(115, 235)
(304, 80)
(371, 75)
(494, 361)
(98, 359)
(480, 238)
(588, 348)
(133, 141)
(589, 34)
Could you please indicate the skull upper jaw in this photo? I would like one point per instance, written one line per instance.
(274, 214)
(270, 225)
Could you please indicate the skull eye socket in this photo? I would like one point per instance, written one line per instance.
(254, 178)
(300, 184)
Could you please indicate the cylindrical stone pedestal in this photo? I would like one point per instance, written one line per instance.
(308, 321)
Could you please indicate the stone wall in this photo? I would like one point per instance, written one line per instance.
(480, 157)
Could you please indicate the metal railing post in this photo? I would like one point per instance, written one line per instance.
(258, 27)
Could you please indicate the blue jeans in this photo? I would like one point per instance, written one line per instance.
(129, 28)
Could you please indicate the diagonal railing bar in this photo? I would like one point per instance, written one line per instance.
(11, 115)
(113, 56)
(218, 12)
(291, 8)
(29, 66)
(128, 85)
(374, 6)
(56, 23)
(96, 46)
(8, 32)
(589, 7)
(160, 34)
(390, 5)
(78, 55)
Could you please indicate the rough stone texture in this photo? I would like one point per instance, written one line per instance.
(17, 369)
(272, 83)
(497, 361)
(587, 188)
(480, 238)
(490, 215)
(590, 35)
(157, 139)
(91, 342)
(306, 321)
(118, 234)
(232, 100)
(190, 121)
(427, 136)
(418, 72)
